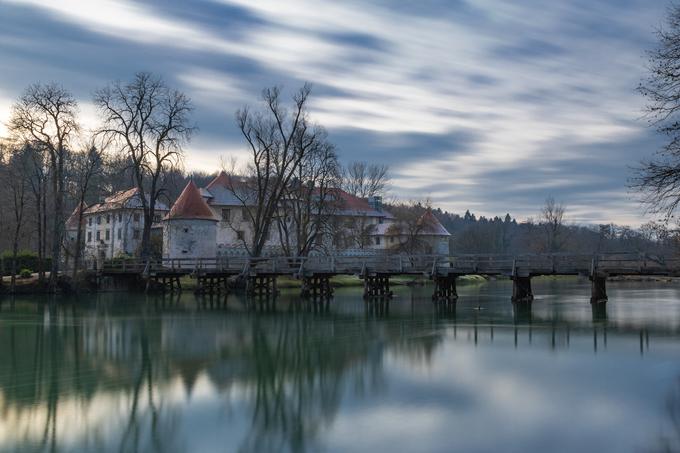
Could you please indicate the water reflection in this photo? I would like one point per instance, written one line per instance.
(184, 373)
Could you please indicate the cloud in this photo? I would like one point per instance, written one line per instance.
(451, 93)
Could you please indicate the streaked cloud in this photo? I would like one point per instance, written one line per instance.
(497, 104)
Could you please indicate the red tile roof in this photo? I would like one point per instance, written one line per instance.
(226, 181)
(190, 205)
(125, 199)
(72, 222)
(221, 180)
(352, 205)
(432, 225)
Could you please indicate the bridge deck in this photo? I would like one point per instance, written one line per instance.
(611, 264)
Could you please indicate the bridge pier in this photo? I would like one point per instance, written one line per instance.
(210, 284)
(164, 283)
(444, 288)
(598, 289)
(377, 286)
(521, 289)
(317, 287)
(521, 313)
(261, 286)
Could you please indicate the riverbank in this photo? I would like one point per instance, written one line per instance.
(32, 285)
(346, 281)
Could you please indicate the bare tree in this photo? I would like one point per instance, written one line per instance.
(364, 180)
(278, 141)
(552, 216)
(355, 231)
(658, 179)
(148, 123)
(309, 199)
(15, 183)
(411, 221)
(45, 115)
(86, 166)
(38, 179)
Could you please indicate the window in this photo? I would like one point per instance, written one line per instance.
(120, 233)
(244, 214)
(391, 239)
(108, 235)
(135, 234)
(99, 236)
(99, 220)
(377, 240)
(226, 215)
(186, 230)
(120, 217)
(89, 235)
(135, 217)
(239, 235)
(108, 218)
(380, 220)
(89, 221)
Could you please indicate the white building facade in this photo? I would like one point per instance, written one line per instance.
(114, 226)
(218, 224)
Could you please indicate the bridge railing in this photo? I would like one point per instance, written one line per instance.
(614, 263)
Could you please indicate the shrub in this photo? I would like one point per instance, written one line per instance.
(25, 260)
(25, 273)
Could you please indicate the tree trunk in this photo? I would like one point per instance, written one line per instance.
(43, 239)
(15, 252)
(79, 237)
(58, 233)
(39, 216)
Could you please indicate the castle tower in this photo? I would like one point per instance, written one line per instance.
(190, 229)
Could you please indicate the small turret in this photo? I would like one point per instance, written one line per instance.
(190, 228)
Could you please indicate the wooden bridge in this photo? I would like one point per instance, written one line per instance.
(213, 274)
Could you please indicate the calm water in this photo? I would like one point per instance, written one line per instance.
(116, 372)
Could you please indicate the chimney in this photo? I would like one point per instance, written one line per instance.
(375, 203)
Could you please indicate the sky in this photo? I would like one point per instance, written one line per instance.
(486, 105)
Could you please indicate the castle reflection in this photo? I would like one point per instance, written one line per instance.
(124, 373)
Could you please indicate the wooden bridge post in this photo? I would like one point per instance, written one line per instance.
(444, 288)
(377, 286)
(317, 287)
(262, 286)
(521, 289)
(598, 289)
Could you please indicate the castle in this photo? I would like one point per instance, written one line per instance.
(214, 221)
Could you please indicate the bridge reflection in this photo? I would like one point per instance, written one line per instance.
(287, 361)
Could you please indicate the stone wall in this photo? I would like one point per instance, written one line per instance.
(189, 238)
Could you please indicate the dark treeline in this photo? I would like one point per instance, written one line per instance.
(472, 234)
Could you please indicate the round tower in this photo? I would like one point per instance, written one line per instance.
(190, 228)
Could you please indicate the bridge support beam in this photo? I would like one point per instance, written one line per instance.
(317, 287)
(163, 283)
(521, 289)
(444, 288)
(261, 286)
(211, 284)
(377, 286)
(598, 289)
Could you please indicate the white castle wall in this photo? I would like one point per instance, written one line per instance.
(193, 238)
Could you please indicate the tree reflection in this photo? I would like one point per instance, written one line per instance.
(669, 439)
(298, 378)
(295, 365)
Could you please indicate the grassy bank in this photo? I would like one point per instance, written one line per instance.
(347, 281)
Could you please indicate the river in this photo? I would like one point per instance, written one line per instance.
(125, 372)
